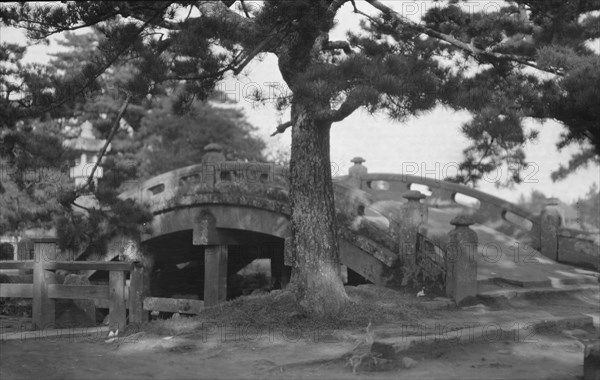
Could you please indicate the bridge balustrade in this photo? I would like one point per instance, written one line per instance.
(159, 192)
(486, 209)
(544, 233)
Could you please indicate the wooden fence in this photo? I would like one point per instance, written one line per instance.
(44, 290)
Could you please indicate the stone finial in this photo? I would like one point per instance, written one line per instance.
(87, 130)
(462, 220)
(413, 195)
(357, 171)
(214, 153)
(213, 147)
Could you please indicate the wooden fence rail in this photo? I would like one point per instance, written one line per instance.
(45, 290)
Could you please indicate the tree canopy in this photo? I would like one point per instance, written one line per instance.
(517, 60)
(152, 139)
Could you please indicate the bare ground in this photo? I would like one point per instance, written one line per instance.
(550, 357)
(260, 338)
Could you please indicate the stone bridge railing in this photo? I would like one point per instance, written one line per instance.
(167, 190)
(485, 209)
(544, 232)
(411, 254)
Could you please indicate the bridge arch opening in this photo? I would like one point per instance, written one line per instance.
(517, 220)
(466, 200)
(423, 189)
(379, 185)
(255, 264)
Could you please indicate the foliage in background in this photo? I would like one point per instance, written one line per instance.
(35, 188)
(559, 37)
(584, 213)
(588, 209)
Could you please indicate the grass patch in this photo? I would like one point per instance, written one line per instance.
(279, 309)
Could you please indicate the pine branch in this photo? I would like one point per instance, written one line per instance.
(468, 47)
(80, 206)
(334, 7)
(245, 9)
(110, 61)
(220, 12)
(343, 45)
(281, 128)
(47, 34)
(259, 49)
(358, 11)
(352, 103)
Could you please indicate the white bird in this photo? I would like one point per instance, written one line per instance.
(421, 293)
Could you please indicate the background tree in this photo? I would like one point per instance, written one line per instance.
(535, 202)
(584, 213)
(154, 137)
(588, 209)
(398, 66)
(36, 190)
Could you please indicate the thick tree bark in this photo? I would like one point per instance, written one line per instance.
(316, 276)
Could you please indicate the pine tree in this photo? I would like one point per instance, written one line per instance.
(396, 65)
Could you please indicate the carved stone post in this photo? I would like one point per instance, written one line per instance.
(407, 222)
(461, 265)
(356, 172)
(211, 160)
(550, 221)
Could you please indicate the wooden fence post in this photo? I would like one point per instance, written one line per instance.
(43, 310)
(117, 307)
(137, 294)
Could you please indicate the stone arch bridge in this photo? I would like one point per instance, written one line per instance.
(214, 218)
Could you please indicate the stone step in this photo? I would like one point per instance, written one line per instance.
(531, 293)
(518, 330)
(550, 282)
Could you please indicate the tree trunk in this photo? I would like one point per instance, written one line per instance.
(316, 278)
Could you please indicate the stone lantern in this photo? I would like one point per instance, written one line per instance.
(88, 146)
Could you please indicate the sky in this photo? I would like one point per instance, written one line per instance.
(428, 145)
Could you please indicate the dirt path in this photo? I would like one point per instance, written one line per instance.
(267, 348)
(550, 357)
